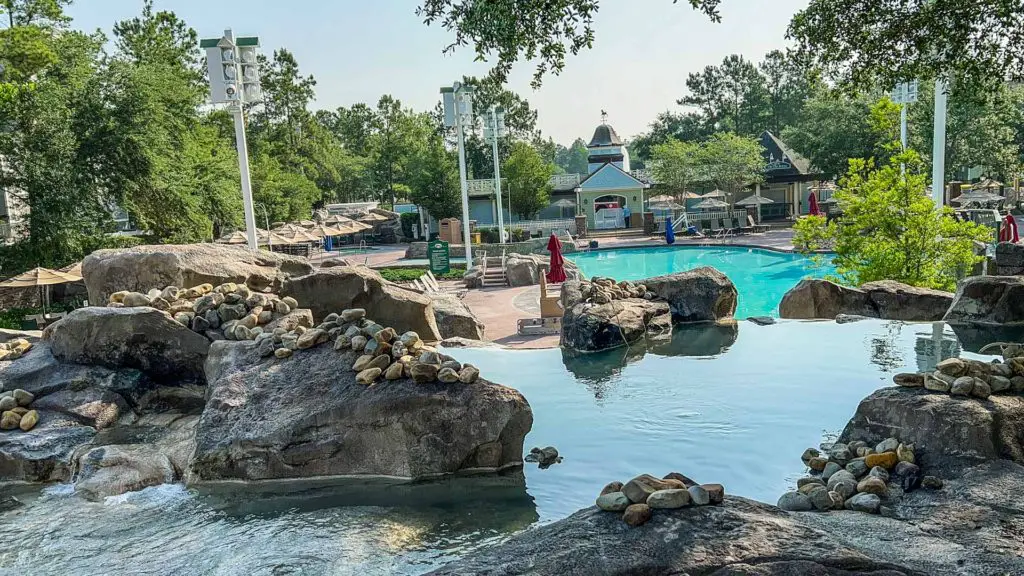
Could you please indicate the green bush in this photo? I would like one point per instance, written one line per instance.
(489, 235)
(410, 274)
(11, 319)
(518, 235)
(409, 220)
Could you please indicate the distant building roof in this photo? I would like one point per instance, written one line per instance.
(605, 135)
(781, 162)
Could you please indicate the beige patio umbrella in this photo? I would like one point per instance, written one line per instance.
(287, 228)
(306, 223)
(716, 193)
(236, 237)
(324, 231)
(662, 198)
(299, 236)
(271, 238)
(372, 218)
(42, 278)
(337, 219)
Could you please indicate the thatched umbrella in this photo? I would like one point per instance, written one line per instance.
(754, 201)
(711, 204)
(372, 218)
(716, 193)
(236, 237)
(42, 278)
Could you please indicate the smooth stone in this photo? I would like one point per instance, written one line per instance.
(613, 502)
(8, 403)
(810, 453)
(880, 473)
(311, 338)
(386, 335)
(857, 467)
(716, 492)
(887, 445)
(699, 496)
(839, 454)
(962, 386)
(394, 372)
(817, 463)
(887, 460)
(9, 420)
(358, 343)
(932, 482)
(430, 357)
(844, 483)
(869, 503)
(343, 343)
(265, 347)
(669, 499)
(353, 314)
(830, 469)
(935, 384)
(795, 502)
(864, 451)
(423, 373)
(639, 488)
(952, 367)
(909, 380)
(381, 362)
(611, 487)
(872, 485)
(448, 375)
(905, 453)
(291, 302)
(808, 488)
(981, 389)
(636, 514)
(820, 498)
(906, 468)
(283, 353)
(999, 384)
(469, 374)
(687, 482)
(367, 377)
(30, 418)
(362, 362)
(22, 397)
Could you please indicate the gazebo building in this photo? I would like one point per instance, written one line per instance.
(788, 179)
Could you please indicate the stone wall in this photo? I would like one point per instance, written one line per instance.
(1009, 259)
(418, 250)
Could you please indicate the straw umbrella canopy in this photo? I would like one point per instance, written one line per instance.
(754, 201)
(236, 237)
(42, 278)
(716, 193)
(665, 205)
(324, 231)
(306, 223)
(271, 238)
(987, 184)
(710, 204)
(336, 219)
(661, 198)
(690, 196)
(75, 270)
(372, 218)
(299, 236)
(288, 229)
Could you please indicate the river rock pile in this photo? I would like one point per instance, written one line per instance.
(229, 311)
(638, 498)
(856, 476)
(14, 349)
(970, 378)
(605, 290)
(15, 412)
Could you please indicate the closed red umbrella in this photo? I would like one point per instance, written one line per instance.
(556, 273)
(812, 200)
(1008, 232)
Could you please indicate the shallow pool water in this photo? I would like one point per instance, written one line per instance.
(761, 276)
(735, 405)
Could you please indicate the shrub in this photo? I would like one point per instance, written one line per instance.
(410, 274)
(409, 220)
(518, 235)
(489, 235)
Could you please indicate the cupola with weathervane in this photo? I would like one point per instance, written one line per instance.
(606, 148)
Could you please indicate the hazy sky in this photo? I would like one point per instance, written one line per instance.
(358, 50)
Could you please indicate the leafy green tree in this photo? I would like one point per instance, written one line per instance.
(888, 41)
(730, 162)
(789, 83)
(574, 159)
(835, 127)
(668, 126)
(540, 31)
(527, 176)
(731, 97)
(891, 230)
(285, 195)
(677, 165)
(435, 181)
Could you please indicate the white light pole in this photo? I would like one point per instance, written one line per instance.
(904, 94)
(458, 112)
(234, 80)
(939, 144)
(494, 128)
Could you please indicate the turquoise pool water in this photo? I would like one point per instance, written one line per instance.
(735, 405)
(761, 276)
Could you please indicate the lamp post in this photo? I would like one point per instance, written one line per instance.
(939, 144)
(494, 128)
(235, 81)
(458, 112)
(904, 94)
(266, 219)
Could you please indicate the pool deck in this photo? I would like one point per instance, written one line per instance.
(500, 309)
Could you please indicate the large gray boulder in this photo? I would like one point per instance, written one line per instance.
(588, 327)
(40, 373)
(43, 454)
(1009, 259)
(455, 319)
(814, 298)
(335, 289)
(142, 338)
(948, 432)
(988, 301)
(525, 269)
(700, 295)
(142, 268)
(307, 417)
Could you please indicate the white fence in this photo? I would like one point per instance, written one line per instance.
(545, 227)
(695, 218)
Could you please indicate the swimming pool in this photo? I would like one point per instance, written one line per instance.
(732, 404)
(761, 276)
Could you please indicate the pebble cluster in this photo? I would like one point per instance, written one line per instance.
(605, 290)
(229, 311)
(15, 412)
(235, 312)
(965, 377)
(855, 476)
(638, 498)
(14, 349)
(544, 457)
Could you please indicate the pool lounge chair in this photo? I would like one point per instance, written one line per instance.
(724, 230)
(756, 228)
(737, 228)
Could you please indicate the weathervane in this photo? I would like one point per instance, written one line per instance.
(604, 117)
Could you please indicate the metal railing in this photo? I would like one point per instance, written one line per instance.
(556, 225)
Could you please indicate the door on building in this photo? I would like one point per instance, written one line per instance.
(608, 212)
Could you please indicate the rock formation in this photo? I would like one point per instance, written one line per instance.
(454, 319)
(821, 299)
(143, 267)
(988, 301)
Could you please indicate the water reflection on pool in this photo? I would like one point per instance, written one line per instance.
(730, 404)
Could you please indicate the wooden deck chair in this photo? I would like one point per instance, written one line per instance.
(756, 228)
(433, 287)
(550, 305)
